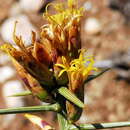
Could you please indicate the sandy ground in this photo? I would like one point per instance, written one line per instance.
(107, 100)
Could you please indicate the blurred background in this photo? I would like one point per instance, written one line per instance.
(105, 33)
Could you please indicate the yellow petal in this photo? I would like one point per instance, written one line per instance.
(71, 3)
(64, 60)
(60, 65)
(8, 48)
(61, 72)
(59, 7)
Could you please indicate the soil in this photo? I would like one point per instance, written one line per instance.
(107, 100)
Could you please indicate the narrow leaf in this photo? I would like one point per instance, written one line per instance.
(70, 96)
(25, 93)
(96, 75)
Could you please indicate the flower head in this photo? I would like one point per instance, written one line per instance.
(63, 30)
(65, 15)
(77, 71)
(29, 63)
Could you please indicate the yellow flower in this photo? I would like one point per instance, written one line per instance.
(65, 66)
(63, 28)
(64, 15)
(77, 71)
(78, 65)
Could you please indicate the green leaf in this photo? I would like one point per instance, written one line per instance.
(25, 93)
(53, 107)
(96, 75)
(70, 96)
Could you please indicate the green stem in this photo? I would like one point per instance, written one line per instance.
(54, 107)
(101, 126)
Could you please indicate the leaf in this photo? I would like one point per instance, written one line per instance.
(25, 93)
(89, 78)
(70, 96)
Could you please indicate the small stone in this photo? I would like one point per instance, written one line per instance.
(87, 5)
(15, 9)
(92, 26)
(24, 29)
(4, 58)
(31, 5)
(6, 73)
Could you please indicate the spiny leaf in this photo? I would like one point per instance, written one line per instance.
(96, 75)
